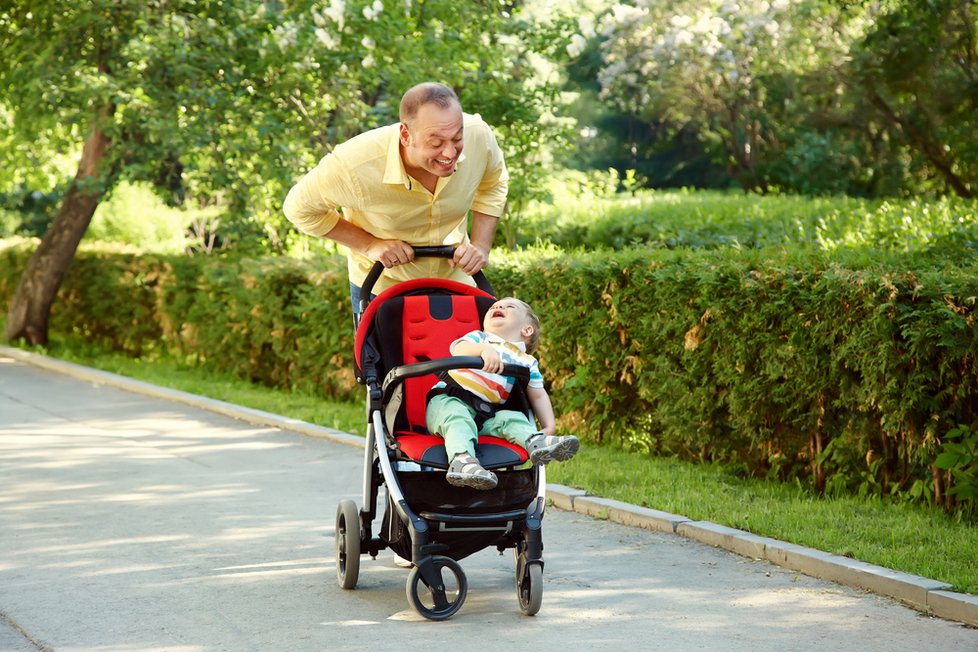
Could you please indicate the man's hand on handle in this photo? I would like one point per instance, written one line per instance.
(470, 258)
(390, 253)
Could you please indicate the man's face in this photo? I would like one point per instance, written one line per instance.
(433, 143)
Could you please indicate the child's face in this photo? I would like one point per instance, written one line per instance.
(508, 319)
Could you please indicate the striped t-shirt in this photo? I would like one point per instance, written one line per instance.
(495, 388)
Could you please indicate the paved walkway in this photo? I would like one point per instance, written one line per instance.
(131, 522)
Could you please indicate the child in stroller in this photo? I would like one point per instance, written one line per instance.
(462, 405)
(401, 346)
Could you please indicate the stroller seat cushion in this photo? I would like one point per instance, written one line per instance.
(429, 450)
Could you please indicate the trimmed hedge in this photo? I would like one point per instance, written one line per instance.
(846, 373)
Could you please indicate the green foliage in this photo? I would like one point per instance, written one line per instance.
(226, 104)
(579, 217)
(812, 96)
(133, 215)
(869, 529)
(26, 212)
(916, 66)
(959, 455)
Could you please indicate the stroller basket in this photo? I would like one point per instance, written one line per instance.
(465, 520)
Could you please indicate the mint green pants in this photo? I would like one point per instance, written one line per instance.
(454, 421)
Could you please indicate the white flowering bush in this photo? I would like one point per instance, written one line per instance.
(709, 65)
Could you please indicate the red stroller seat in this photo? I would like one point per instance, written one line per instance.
(402, 327)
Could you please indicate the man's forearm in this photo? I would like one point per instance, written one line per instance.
(351, 236)
(483, 230)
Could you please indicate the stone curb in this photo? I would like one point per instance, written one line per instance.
(920, 593)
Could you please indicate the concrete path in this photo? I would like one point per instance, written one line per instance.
(134, 523)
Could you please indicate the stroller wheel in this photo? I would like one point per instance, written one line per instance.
(443, 592)
(529, 585)
(347, 544)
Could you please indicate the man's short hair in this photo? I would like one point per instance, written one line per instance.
(426, 93)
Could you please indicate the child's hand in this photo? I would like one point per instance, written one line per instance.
(491, 361)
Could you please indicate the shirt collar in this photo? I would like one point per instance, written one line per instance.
(495, 339)
(394, 172)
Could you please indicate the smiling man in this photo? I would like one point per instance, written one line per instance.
(406, 185)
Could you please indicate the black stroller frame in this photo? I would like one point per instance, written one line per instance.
(428, 521)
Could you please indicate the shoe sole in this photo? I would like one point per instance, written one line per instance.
(471, 481)
(559, 452)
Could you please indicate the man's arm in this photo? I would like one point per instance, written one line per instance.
(307, 208)
(389, 252)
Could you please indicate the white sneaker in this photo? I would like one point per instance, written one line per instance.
(465, 471)
(544, 449)
(401, 562)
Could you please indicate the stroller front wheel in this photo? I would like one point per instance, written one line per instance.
(529, 585)
(445, 591)
(347, 544)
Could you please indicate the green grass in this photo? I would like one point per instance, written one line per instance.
(904, 537)
(704, 219)
(166, 372)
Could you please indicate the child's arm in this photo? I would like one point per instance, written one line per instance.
(542, 409)
(491, 361)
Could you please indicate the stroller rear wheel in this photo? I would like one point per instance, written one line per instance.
(347, 544)
(445, 591)
(529, 585)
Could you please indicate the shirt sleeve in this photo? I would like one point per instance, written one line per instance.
(472, 336)
(490, 197)
(536, 378)
(311, 204)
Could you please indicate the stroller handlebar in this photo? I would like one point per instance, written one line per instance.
(397, 375)
(446, 251)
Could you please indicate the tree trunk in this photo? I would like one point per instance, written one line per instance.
(30, 307)
(923, 142)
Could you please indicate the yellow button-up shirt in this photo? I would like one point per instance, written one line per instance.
(365, 178)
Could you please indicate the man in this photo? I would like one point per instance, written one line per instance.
(408, 185)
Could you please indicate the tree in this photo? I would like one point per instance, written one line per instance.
(144, 85)
(917, 65)
(225, 101)
(693, 63)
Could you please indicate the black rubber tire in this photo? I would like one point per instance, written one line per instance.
(430, 602)
(529, 587)
(347, 544)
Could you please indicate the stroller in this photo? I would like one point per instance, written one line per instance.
(401, 345)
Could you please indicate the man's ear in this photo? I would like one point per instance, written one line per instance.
(405, 134)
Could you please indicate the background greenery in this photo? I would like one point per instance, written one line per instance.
(222, 105)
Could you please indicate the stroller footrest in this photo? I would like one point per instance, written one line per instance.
(495, 521)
